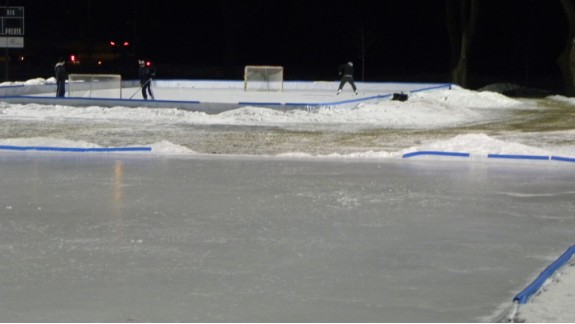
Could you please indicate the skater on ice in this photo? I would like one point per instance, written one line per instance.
(147, 71)
(61, 76)
(346, 73)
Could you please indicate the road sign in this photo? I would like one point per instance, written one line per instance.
(11, 27)
(11, 42)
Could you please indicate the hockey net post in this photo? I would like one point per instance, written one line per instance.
(95, 85)
(263, 78)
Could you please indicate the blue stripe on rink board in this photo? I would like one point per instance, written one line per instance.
(518, 157)
(75, 149)
(562, 159)
(249, 103)
(493, 156)
(336, 103)
(440, 86)
(437, 153)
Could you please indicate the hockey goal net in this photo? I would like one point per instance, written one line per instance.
(263, 78)
(95, 85)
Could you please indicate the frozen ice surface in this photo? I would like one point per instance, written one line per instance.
(101, 238)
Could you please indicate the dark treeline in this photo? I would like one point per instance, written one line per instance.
(469, 42)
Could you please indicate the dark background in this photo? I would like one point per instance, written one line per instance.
(517, 41)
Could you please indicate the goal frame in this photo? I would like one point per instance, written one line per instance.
(265, 76)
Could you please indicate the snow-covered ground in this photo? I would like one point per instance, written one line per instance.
(455, 120)
(554, 303)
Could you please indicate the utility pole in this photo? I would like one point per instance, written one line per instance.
(6, 54)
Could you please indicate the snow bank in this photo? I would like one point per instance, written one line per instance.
(36, 81)
(459, 97)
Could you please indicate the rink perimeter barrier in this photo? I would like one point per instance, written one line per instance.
(75, 149)
(538, 283)
(34, 93)
(518, 157)
(492, 156)
(537, 286)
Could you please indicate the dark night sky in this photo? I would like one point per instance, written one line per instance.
(516, 39)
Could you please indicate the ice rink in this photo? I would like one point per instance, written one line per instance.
(208, 96)
(200, 238)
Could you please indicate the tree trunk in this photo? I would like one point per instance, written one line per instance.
(453, 27)
(461, 33)
(459, 71)
(566, 60)
(363, 39)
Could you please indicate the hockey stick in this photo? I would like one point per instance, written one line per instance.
(140, 89)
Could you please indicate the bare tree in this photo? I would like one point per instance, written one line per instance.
(461, 24)
(566, 60)
(364, 38)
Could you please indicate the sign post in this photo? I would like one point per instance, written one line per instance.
(11, 32)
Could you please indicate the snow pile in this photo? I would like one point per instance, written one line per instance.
(165, 147)
(47, 141)
(459, 97)
(36, 81)
(563, 99)
(478, 144)
(35, 111)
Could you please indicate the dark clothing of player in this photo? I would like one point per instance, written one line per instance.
(346, 73)
(61, 76)
(146, 73)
